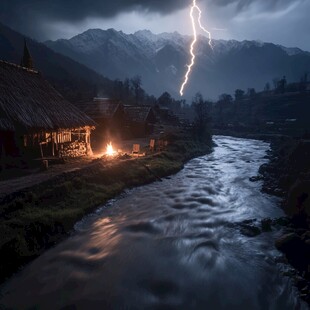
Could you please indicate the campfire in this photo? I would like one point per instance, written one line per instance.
(110, 153)
(109, 150)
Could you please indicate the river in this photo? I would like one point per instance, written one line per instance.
(173, 244)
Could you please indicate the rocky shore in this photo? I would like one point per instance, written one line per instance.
(287, 175)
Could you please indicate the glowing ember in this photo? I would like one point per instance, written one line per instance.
(110, 151)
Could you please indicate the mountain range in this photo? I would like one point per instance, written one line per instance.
(160, 59)
(82, 66)
(73, 80)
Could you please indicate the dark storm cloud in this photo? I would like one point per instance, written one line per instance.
(73, 10)
(76, 10)
(31, 16)
(264, 4)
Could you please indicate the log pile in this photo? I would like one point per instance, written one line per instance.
(74, 149)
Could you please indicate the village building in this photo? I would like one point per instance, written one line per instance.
(167, 116)
(140, 121)
(109, 116)
(35, 120)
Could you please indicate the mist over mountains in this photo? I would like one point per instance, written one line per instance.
(161, 61)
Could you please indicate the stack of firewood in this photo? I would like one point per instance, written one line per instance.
(74, 149)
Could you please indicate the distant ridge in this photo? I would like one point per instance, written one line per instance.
(70, 78)
(161, 60)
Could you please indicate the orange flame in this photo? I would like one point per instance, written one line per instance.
(110, 151)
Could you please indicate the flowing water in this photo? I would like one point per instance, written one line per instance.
(169, 245)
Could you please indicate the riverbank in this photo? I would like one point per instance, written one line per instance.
(34, 219)
(287, 175)
(170, 244)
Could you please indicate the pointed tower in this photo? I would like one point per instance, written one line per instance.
(26, 60)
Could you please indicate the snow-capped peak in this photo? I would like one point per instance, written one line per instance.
(291, 51)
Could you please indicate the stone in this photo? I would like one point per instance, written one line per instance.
(249, 230)
(294, 249)
(282, 221)
(288, 242)
(300, 282)
(250, 221)
(266, 225)
(306, 235)
(255, 178)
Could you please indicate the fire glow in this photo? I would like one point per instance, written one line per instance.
(194, 20)
(109, 150)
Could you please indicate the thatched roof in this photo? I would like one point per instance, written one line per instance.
(139, 114)
(100, 108)
(28, 101)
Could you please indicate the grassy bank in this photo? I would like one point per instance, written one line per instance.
(35, 219)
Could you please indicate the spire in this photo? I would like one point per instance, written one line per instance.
(26, 60)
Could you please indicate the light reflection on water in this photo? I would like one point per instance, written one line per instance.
(169, 245)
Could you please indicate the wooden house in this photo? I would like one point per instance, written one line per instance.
(139, 121)
(109, 116)
(35, 120)
(167, 116)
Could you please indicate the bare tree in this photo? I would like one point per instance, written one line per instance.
(275, 82)
(201, 128)
(136, 83)
(239, 93)
(225, 98)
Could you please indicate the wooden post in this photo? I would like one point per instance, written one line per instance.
(53, 146)
(89, 151)
(41, 149)
(152, 145)
(56, 134)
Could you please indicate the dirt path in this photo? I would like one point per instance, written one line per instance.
(16, 184)
(36, 177)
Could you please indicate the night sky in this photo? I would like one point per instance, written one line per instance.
(283, 22)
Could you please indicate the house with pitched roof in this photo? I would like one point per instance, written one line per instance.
(35, 120)
(140, 120)
(109, 116)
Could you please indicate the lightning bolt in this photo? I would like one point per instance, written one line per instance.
(194, 8)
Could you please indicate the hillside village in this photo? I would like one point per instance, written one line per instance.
(38, 123)
(49, 127)
(67, 158)
(71, 139)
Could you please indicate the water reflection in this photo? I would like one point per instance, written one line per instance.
(169, 245)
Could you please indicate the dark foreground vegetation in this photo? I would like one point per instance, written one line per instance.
(35, 219)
